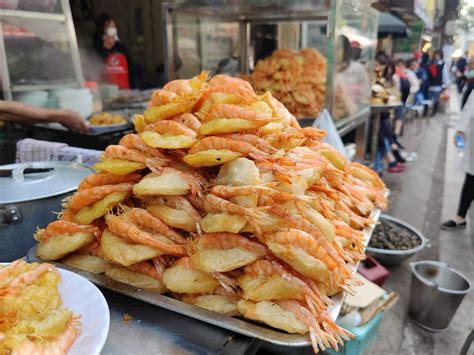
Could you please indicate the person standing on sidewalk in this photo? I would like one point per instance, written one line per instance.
(466, 130)
(438, 78)
(469, 81)
(403, 84)
(461, 65)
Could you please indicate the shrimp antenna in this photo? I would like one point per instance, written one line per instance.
(65, 201)
(119, 210)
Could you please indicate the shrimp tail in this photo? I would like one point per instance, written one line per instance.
(226, 282)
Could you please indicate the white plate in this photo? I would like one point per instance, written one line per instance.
(83, 298)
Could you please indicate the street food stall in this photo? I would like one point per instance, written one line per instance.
(120, 231)
(40, 66)
(221, 222)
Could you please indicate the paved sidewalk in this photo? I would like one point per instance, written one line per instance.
(426, 194)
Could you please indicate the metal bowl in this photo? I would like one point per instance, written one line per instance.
(394, 257)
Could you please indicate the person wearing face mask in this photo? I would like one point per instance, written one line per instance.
(117, 67)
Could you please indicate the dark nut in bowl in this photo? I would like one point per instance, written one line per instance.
(394, 241)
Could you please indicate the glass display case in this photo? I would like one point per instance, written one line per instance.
(38, 48)
(233, 37)
(354, 44)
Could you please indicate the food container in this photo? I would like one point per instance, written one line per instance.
(373, 271)
(29, 200)
(394, 257)
(437, 290)
(96, 97)
(364, 336)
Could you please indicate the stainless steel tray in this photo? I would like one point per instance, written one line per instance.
(234, 324)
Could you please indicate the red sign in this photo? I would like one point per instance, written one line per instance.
(15, 31)
(116, 70)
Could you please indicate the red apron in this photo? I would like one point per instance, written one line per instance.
(116, 70)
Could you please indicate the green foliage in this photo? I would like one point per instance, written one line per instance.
(466, 18)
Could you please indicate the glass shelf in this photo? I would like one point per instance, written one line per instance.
(43, 86)
(38, 47)
(13, 15)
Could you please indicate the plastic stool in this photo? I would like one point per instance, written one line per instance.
(373, 271)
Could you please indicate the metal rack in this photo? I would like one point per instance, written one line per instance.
(47, 25)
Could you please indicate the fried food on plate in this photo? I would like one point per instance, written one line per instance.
(106, 119)
(32, 320)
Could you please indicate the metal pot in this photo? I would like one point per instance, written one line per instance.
(437, 290)
(394, 257)
(28, 199)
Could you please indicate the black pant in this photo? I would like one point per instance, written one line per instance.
(460, 81)
(469, 88)
(467, 195)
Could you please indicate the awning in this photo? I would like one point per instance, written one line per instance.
(406, 10)
(391, 25)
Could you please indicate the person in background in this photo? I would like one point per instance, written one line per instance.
(403, 84)
(384, 148)
(466, 130)
(16, 112)
(422, 74)
(354, 76)
(469, 81)
(411, 69)
(387, 148)
(118, 68)
(438, 78)
(461, 65)
(401, 80)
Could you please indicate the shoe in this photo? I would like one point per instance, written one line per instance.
(411, 157)
(399, 168)
(397, 156)
(397, 142)
(451, 225)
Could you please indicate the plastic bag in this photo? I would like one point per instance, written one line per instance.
(324, 121)
(444, 96)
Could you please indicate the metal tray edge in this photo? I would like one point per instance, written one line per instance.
(230, 323)
(226, 322)
(338, 299)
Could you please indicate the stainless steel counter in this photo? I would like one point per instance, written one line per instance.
(154, 330)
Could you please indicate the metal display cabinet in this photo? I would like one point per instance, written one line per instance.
(38, 47)
(229, 37)
(353, 42)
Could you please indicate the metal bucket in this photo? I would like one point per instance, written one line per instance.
(437, 290)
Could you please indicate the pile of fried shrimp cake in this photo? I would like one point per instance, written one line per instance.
(296, 79)
(220, 199)
(32, 320)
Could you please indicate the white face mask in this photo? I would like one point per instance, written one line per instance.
(111, 31)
